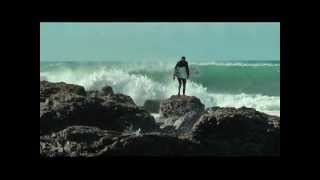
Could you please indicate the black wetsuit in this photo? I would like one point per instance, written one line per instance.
(182, 63)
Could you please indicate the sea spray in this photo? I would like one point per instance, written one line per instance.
(154, 81)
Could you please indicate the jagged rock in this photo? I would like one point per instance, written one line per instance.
(242, 131)
(121, 98)
(75, 123)
(48, 88)
(180, 105)
(93, 93)
(83, 141)
(179, 113)
(116, 112)
(76, 141)
(185, 123)
(152, 105)
(152, 145)
(107, 91)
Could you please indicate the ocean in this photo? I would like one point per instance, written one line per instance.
(254, 84)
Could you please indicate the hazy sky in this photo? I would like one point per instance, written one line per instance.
(159, 41)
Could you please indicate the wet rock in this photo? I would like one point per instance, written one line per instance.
(121, 98)
(107, 91)
(152, 145)
(48, 88)
(152, 105)
(115, 112)
(242, 131)
(180, 105)
(76, 141)
(179, 113)
(84, 141)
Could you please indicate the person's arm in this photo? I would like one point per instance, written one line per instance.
(187, 68)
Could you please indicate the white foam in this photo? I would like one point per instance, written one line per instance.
(155, 115)
(141, 88)
(274, 113)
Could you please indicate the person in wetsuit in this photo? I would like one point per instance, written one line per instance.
(181, 71)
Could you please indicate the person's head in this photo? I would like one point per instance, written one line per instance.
(183, 58)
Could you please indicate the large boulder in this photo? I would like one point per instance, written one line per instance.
(179, 113)
(84, 141)
(48, 88)
(242, 131)
(116, 112)
(180, 105)
(152, 105)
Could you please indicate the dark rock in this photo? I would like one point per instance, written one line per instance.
(167, 129)
(121, 98)
(107, 94)
(179, 113)
(110, 96)
(152, 145)
(180, 105)
(107, 91)
(74, 123)
(243, 131)
(48, 88)
(116, 112)
(185, 123)
(152, 105)
(81, 141)
(76, 141)
(93, 94)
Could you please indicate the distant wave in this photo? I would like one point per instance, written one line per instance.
(234, 64)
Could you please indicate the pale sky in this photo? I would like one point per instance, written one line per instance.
(159, 41)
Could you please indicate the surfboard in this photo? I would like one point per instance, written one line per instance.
(180, 72)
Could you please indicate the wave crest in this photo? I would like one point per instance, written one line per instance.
(140, 88)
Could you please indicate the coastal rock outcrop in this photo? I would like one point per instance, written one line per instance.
(83, 141)
(113, 112)
(76, 123)
(76, 141)
(180, 105)
(242, 131)
(152, 105)
(152, 144)
(48, 89)
(179, 113)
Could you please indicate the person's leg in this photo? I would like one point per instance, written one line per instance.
(179, 80)
(184, 81)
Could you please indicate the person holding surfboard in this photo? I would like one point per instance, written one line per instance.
(181, 71)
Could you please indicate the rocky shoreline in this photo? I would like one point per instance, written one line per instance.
(79, 123)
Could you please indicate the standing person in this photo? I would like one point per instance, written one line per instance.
(181, 71)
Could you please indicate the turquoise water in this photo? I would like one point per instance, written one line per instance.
(235, 83)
